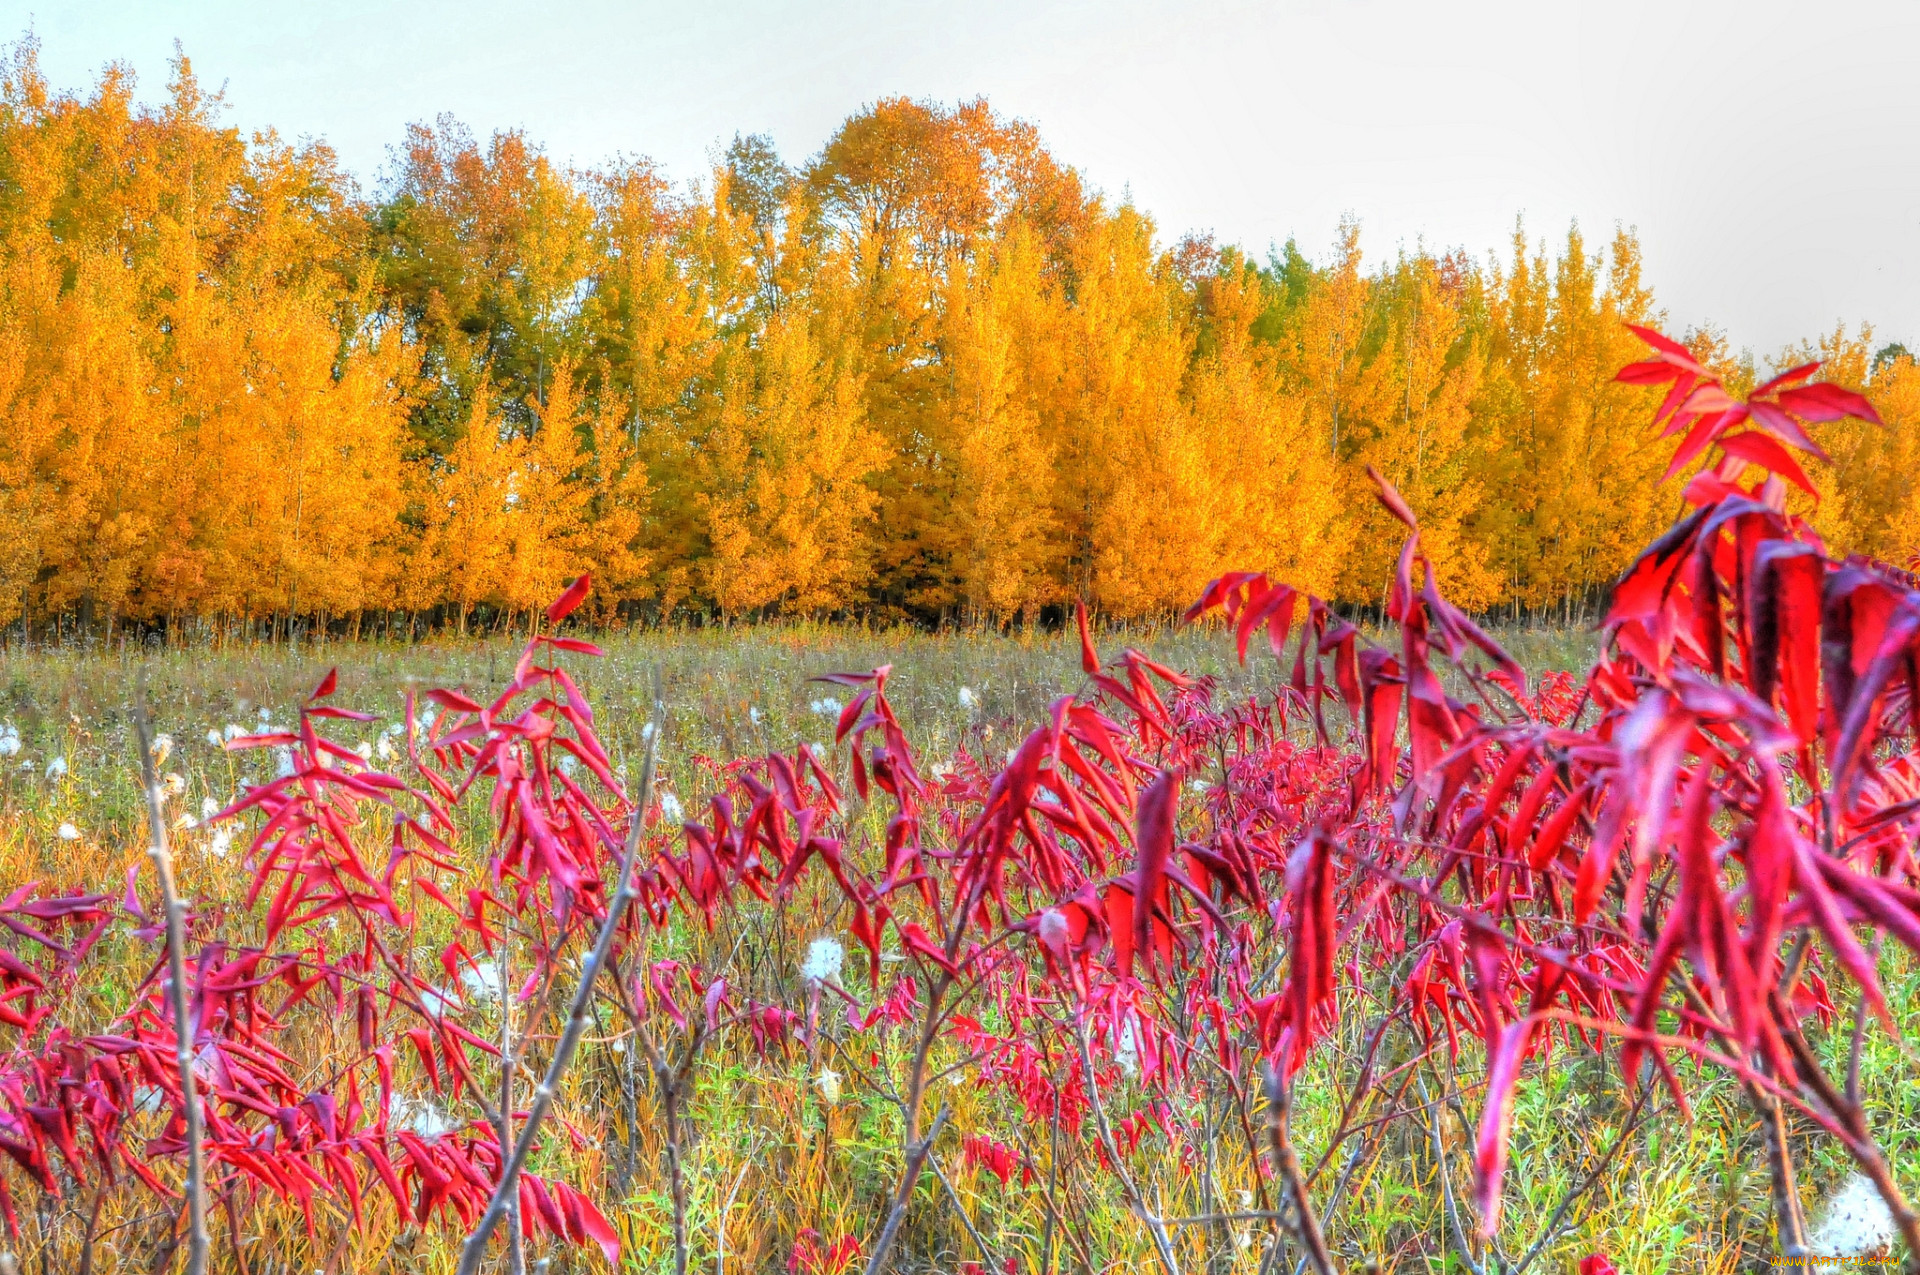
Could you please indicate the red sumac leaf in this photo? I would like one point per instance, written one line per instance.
(1153, 842)
(563, 606)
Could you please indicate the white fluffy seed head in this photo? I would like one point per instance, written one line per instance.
(1053, 931)
(1126, 1050)
(825, 957)
(481, 982)
(1854, 1222)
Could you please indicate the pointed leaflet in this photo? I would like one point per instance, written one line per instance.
(1310, 970)
(1792, 376)
(1652, 372)
(1784, 598)
(1490, 1150)
(563, 606)
(1385, 493)
(1861, 726)
(1855, 608)
(1153, 843)
(1760, 449)
(1828, 402)
(1769, 417)
(1678, 354)
(1275, 608)
(1381, 688)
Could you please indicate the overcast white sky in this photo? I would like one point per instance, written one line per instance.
(1768, 153)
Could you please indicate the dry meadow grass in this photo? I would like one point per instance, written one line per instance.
(773, 1156)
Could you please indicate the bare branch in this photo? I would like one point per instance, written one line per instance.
(1287, 1164)
(183, 1028)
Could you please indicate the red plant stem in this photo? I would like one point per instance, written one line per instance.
(577, 1017)
(183, 1030)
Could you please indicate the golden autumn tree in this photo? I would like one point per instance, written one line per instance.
(1412, 420)
(782, 467)
(924, 375)
(998, 324)
(465, 551)
(1574, 482)
(206, 427)
(548, 500)
(1275, 502)
(1321, 345)
(1869, 497)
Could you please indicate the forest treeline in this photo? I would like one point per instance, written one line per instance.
(926, 374)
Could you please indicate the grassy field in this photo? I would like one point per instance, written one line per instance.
(773, 1154)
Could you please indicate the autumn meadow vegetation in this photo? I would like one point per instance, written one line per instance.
(871, 716)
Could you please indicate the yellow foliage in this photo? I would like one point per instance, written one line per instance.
(927, 375)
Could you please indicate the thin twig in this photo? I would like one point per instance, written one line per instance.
(1213, 1219)
(1162, 1246)
(917, 1154)
(502, 972)
(1552, 1229)
(980, 1244)
(508, 1186)
(720, 1227)
(183, 1028)
(1458, 1232)
(1306, 1226)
